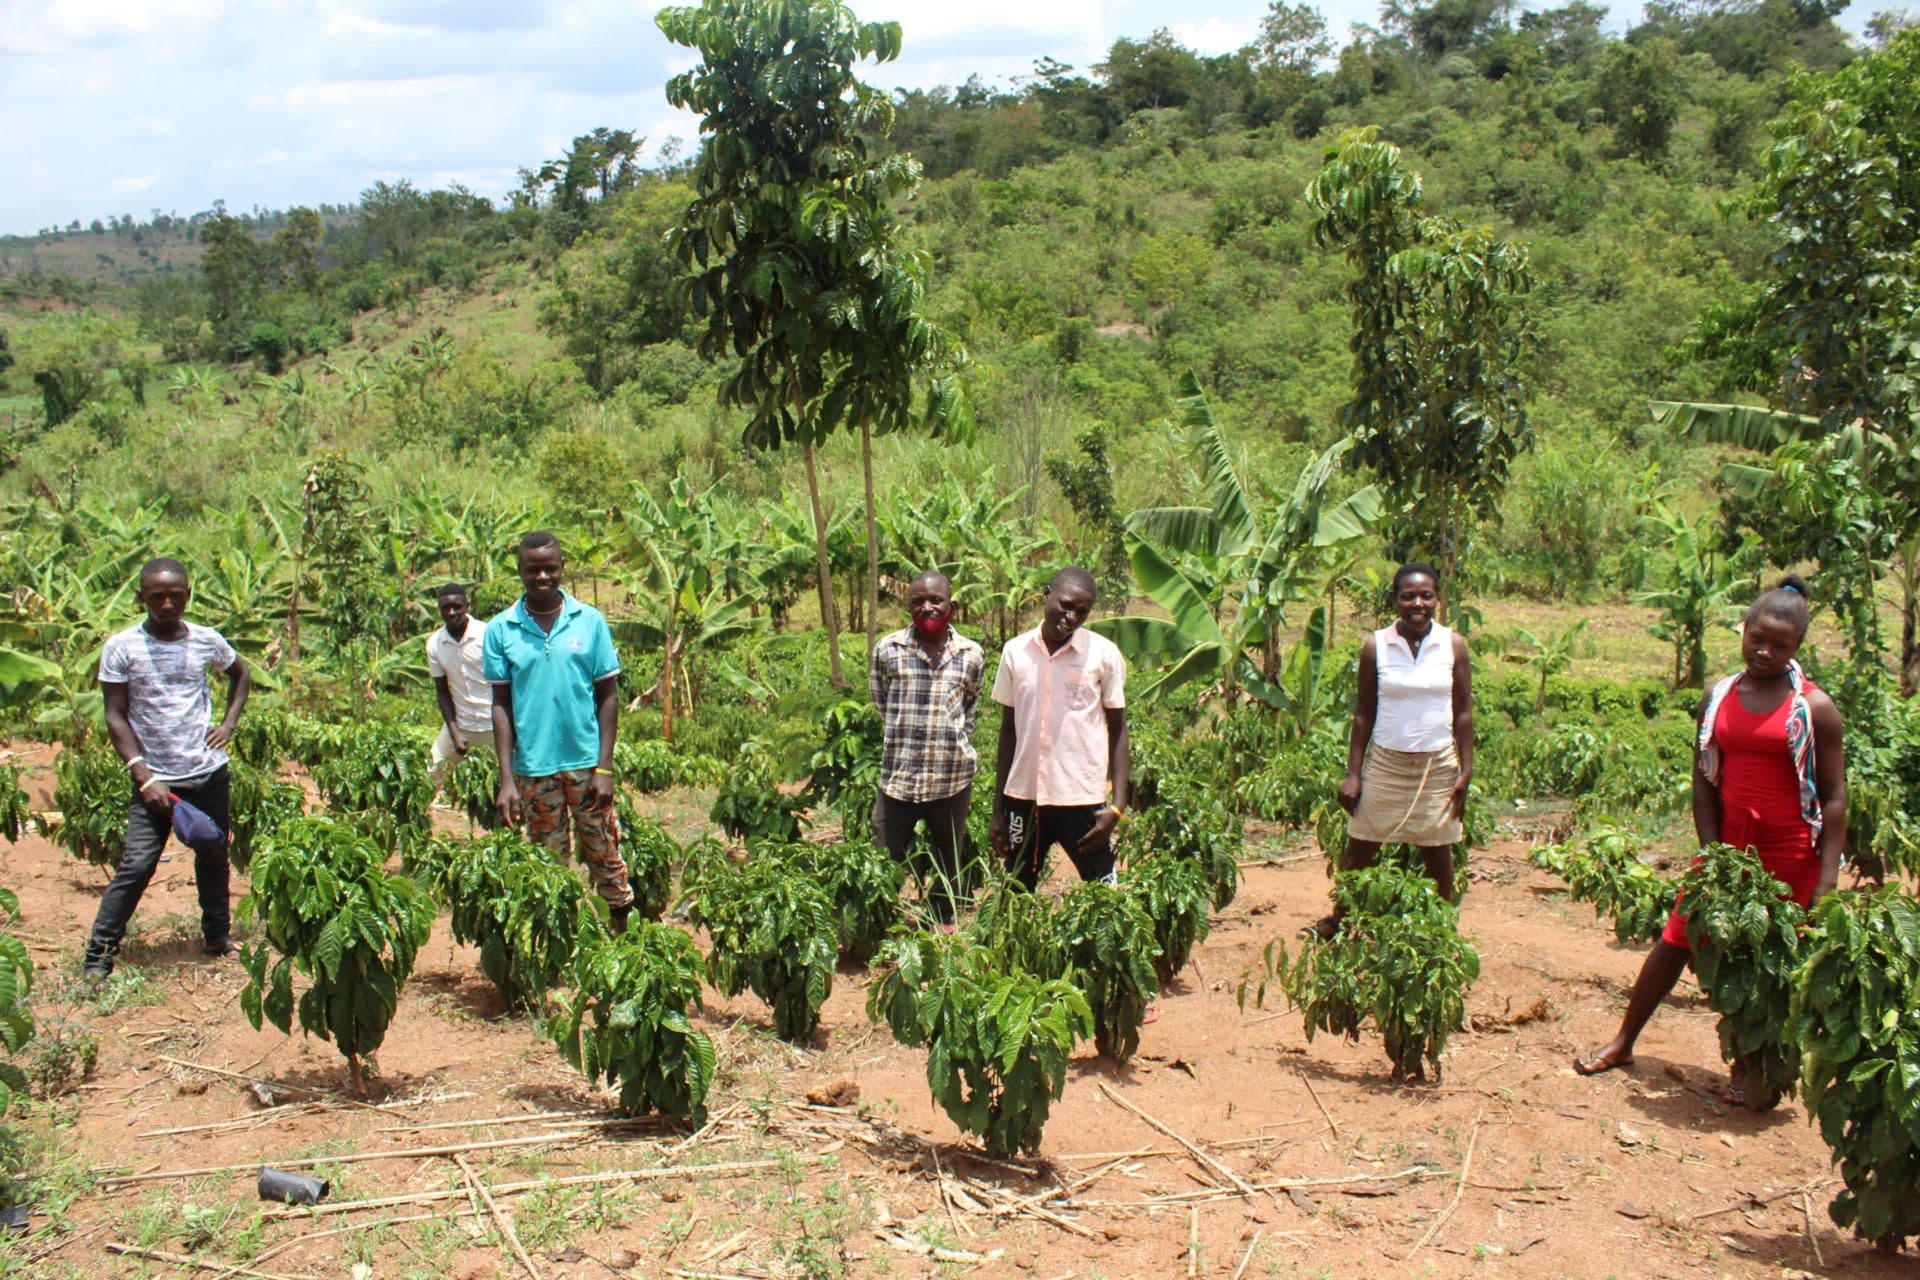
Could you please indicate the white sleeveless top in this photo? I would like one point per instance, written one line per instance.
(1415, 711)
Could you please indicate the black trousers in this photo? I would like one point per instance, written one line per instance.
(946, 820)
(1034, 829)
(146, 837)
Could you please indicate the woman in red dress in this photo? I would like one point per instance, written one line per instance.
(1770, 775)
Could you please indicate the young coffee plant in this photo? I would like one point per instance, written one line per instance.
(92, 789)
(863, 883)
(650, 853)
(997, 1042)
(376, 776)
(1110, 952)
(774, 931)
(844, 774)
(1193, 822)
(474, 784)
(16, 984)
(750, 805)
(525, 912)
(1019, 931)
(1853, 1018)
(626, 1021)
(1398, 957)
(1173, 893)
(1745, 935)
(13, 804)
(650, 765)
(327, 909)
(1603, 867)
(260, 803)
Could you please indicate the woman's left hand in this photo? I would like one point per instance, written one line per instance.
(1457, 802)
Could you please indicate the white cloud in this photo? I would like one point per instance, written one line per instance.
(148, 127)
(134, 185)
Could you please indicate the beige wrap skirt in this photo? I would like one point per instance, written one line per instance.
(1406, 797)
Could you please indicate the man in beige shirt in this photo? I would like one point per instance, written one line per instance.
(465, 698)
(1063, 755)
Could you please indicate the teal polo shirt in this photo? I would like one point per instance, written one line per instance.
(551, 674)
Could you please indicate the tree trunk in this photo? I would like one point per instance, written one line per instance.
(1909, 608)
(666, 688)
(828, 618)
(873, 538)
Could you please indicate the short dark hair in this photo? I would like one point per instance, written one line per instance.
(450, 590)
(932, 575)
(1074, 575)
(162, 564)
(1787, 601)
(537, 539)
(1411, 568)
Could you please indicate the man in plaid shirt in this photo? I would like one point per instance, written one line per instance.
(925, 679)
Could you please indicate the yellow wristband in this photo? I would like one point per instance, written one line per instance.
(607, 772)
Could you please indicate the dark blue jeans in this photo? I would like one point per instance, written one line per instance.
(146, 837)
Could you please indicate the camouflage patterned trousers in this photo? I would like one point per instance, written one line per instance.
(548, 801)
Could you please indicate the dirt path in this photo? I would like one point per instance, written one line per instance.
(1639, 1174)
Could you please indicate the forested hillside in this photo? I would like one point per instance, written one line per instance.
(1091, 236)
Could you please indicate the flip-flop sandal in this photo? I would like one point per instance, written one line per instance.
(1151, 1015)
(1595, 1065)
(1323, 929)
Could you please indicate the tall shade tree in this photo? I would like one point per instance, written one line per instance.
(1831, 339)
(791, 242)
(1439, 335)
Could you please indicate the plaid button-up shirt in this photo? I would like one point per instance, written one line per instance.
(928, 708)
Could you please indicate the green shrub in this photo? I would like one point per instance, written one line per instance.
(13, 804)
(1174, 894)
(525, 912)
(16, 1020)
(998, 1042)
(626, 1021)
(376, 775)
(1398, 957)
(1745, 935)
(1110, 948)
(473, 781)
(1853, 1017)
(91, 789)
(843, 774)
(1603, 867)
(1192, 822)
(773, 931)
(750, 805)
(862, 882)
(650, 853)
(260, 804)
(1020, 931)
(327, 909)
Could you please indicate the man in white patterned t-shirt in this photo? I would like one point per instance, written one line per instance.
(153, 681)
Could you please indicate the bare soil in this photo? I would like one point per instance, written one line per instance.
(1511, 1166)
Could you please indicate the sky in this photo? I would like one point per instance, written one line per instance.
(118, 107)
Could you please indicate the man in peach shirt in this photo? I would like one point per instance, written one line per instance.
(1063, 757)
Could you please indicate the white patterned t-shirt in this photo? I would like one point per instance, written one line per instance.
(168, 703)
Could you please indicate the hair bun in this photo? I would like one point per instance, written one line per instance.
(1795, 583)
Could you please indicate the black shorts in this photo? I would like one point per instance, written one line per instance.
(1033, 830)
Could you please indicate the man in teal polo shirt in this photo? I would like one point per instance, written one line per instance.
(556, 703)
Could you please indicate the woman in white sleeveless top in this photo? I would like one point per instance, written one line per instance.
(1410, 756)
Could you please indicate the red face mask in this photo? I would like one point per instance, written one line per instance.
(934, 627)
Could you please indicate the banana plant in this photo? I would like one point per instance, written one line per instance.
(1887, 455)
(1225, 574)
(680, 587)
(1698, 594)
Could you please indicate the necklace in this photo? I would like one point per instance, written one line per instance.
(543, 613)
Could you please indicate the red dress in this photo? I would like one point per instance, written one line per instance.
(1760, 802)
